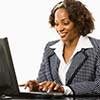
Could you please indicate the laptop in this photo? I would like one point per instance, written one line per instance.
(10, 86)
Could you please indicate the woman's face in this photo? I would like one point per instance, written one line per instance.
(64, 26)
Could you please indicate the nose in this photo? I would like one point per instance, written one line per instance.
(60, 28)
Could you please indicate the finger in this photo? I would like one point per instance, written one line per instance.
(57, 86)
(33, 85)
(47, 84)
(28, 84)
(61, 89)
(40, 88)
(30, 87)
(42, 83)
(21, 85)
(51, 87)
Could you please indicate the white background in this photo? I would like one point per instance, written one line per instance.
(25, 23)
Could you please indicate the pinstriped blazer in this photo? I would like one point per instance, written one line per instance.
(83, 76)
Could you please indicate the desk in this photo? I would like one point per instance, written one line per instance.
(52, 98)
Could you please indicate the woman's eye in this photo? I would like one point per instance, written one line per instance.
(66, 23)
(63, 23)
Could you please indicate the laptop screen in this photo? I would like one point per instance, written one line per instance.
(8, 82)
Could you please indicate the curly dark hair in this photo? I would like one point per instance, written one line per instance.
(78, 14)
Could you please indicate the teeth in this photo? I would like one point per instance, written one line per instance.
(62, 34)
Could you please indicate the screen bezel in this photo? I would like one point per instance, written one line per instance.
(10, 87)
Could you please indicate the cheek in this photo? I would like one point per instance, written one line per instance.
(70, 28)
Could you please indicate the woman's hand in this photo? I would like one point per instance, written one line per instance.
(33, 85)
(50, 86)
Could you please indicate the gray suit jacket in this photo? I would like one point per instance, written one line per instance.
(83, 76)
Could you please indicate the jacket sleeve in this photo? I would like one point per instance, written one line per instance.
(42, 71)
(89, 87)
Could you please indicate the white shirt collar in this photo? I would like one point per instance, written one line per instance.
(58, 48)
(83, 42)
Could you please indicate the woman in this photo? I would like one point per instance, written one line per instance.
(70, 65)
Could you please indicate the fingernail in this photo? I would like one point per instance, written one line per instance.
(40, 83)
(44, 89)
(55, 88)
(48, 91)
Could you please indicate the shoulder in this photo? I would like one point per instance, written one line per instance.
(95, 42)
(47, 50)
(50, 43)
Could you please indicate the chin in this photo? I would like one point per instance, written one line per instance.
(64, 40)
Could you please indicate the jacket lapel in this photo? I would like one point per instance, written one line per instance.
(78, 59)
(54, 64)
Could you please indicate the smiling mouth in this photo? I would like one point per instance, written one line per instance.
(63, 34)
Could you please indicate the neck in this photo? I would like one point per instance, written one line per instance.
(72, 43)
